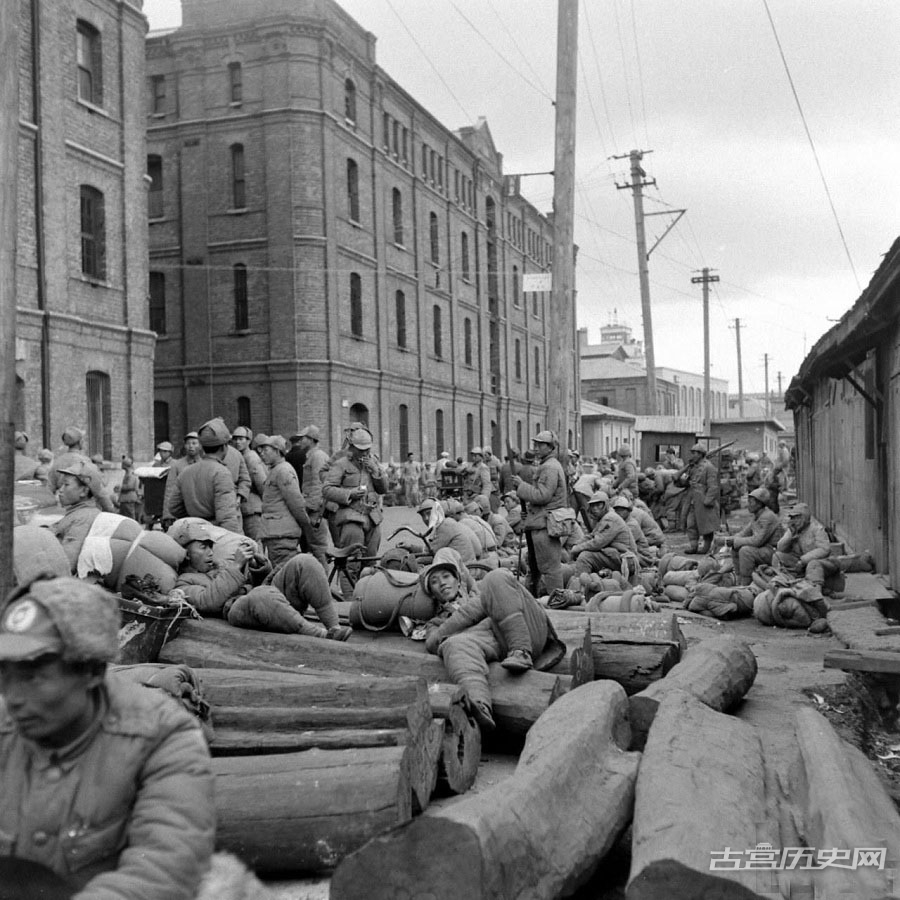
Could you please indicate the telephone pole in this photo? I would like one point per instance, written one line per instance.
(706, 279)
(636, 186)
(561, 360)
(778, 376)
(737, 334)
(766, 365)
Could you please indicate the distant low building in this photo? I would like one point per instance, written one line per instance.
(755, 434)
(603, 429)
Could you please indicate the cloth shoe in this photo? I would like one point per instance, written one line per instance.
(483, 716)
(518, 661)
(339, 632)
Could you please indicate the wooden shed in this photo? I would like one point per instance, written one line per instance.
(846, 405)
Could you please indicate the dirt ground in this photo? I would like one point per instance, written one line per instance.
(791, 674)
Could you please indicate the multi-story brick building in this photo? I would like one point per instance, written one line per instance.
(323, 250)
(84, 354)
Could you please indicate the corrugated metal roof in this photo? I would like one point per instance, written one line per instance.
(680, 424)
(609, 367)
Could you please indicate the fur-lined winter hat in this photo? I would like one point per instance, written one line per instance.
(60, 616)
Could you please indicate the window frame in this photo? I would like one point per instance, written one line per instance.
(235, 84)
(240, 297)
(353, 190)
(155, 201)
(356, 310)
(437, 331)
(89, 43)
(156, 297)
(468, 355)
(400, 313)
(464, 256)
(93, 233)
(350, 110)
(238, 177)
(397, 216)
(158, 97)
(434, 238)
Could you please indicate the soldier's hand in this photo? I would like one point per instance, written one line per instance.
(242, 554)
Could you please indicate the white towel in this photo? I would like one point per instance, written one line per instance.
(96, 556)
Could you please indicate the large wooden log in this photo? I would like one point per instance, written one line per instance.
(460, 740)
(661, 626)
(718, 672)
(846, 807)
(700, 790)
(518, 700)
(537, 834)
(297, 812)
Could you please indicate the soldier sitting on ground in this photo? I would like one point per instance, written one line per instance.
(500, 621)
(244, 592)
(754, 544)
(804, 550)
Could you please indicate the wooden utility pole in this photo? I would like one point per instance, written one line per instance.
(563, 294)
(737, 334)
(705, 279)
(9, 144)
(766, 366)
(636, 186)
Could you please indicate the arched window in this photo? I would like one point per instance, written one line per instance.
(155, 194)
(243, 411)
(93, 233)
(350, 100)
(235, 83)
(439, 430)
(161, 428)
(238, 182)
(89, 61)
(397, 206)
(518, 359)
(99, 415)
(404, 430)
(400, 307)
(356, 312)
(158, 303)
(537, 366)
(435, 238)
(470, 432)
(464, 248)
(353, 190)
(241, 302)
(359, 412)
(467, 341)
(438, 337)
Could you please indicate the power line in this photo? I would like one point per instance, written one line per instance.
(587, 22)
(812, 145)
(469, 117)
(522, 53)
(637, 55)
(527, 81)
(625, 70)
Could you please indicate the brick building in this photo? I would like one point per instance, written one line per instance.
(323, 250)
(84, 354)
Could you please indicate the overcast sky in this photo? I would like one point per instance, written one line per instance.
(702, 84)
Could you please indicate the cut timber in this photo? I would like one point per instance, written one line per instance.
(460, 740)
(538, 834)
(858, 628)
(846, 807)
(267, 712)
(701, 788)
(306, 811)
(884, 661)
(661, 626)
(718, 672)
(518, 700)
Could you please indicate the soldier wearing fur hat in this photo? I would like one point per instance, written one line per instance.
(354, 484)
(105, 783)
(206, 489)
(284, 518)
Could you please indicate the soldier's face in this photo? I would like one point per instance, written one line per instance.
(50, 701)
(71, 491)
(443, 584)
(192, 446)
(200, 556)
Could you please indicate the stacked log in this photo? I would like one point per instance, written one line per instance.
(632, 649)
(538, 834)
(518, 700)
(270, 711)
(718, 672)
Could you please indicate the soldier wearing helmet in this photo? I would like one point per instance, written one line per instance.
(754, 545)
(702, 504)
(355, 484)
(547, 492)
(626, 471)
(251, 504)
(604, 547)
(477, 477)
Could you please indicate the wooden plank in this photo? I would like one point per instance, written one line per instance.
(885, 661)
(865, 586)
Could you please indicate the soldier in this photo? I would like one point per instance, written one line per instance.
(355, 484)
(606, 544)
(164, 451)
(24, 465)
(754, 545)
(314, 469)
(477, 478)
(804, 550)
(251, 505)
(80, 483)
(411, 474)
(206, 489)
(72, 452)
(105, 783)
(626, 471)
(192, 451)
(547, 492)
(702, 481)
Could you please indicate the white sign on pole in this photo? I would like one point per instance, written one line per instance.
(537, 281)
